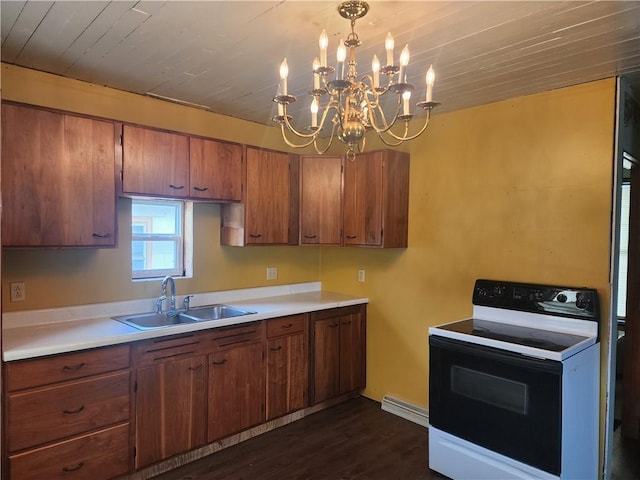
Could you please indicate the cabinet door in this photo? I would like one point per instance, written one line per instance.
(321, 200)
(58, 183)
(170, 409)
(236, 390)
(326, 357)
(268, 198)
(286, 375)
(352, 352)
(215, 170)
(363, 200)
(154, 162)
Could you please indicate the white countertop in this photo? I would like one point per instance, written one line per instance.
(37, 333)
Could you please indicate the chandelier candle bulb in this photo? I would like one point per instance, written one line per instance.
(431, 78)
(314, 112)
(280, 110)
(316, 75)
(341, 57)
(324, 43)
(404, 61)
(375, 68)
(406, 96)
(388, 45)
(284, 73)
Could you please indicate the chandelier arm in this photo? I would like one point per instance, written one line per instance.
(386, 126)
(405, 137)
(289, 142)
(291, 128)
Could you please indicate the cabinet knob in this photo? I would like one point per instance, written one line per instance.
(176, 187)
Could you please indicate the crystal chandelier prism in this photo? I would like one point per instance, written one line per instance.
(347, 108)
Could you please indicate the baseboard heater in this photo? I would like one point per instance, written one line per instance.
(410, 412)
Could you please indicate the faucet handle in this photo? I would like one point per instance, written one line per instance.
(185, 302)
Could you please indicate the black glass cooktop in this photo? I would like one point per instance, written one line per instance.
(505, 332)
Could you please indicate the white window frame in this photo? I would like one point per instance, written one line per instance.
(182, 240)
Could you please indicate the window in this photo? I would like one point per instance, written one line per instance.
(157, 238)
(623, 256)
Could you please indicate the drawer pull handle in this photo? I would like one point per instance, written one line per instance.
(199, 367)
(288, 325)
(102, 235)
(73, 368)
(176, 187)
(255, 235)
(351, 237)
(73, 411)
(347, 322)
(333, 325)
(276, 349)
(310, 236)
(73, 468)
(201, 189)
(221, 362)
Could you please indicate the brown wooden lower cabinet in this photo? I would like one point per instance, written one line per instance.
(338, 360)
(171, 408)
(236, 390)
(68, 416)
(287, 365)
(98, 455)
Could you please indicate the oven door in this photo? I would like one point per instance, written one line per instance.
(502, 401)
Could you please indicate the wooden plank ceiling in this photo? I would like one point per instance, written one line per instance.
(224, 55)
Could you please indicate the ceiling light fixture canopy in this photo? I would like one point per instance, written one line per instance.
(353, 106)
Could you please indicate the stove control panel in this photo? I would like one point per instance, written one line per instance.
(553, 300)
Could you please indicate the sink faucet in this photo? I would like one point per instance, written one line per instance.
(172, 285)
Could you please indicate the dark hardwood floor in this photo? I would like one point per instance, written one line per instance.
(353, 440)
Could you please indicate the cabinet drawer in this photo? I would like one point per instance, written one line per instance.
(228, 337)
(102, 454)
(52, 413)
(69, 366)
(285, 326)
(163, 349)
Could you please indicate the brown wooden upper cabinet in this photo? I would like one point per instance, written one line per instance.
(58, 182)
(321, 200)
(376, 199)
(173, 165)
(268, 214)
(154, 162)
(215, 170)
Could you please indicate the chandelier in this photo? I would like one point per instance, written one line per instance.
(352, 107)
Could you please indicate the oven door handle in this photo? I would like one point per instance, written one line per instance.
(504, 356)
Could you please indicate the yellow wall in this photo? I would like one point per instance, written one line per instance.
(518, 190)
(55, 278)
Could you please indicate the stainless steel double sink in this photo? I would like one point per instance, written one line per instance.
(151, 320)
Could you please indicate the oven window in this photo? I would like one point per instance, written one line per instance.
(497, 391)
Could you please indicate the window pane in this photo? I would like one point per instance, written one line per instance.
(156, 238)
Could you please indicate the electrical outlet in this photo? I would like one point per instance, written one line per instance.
(18, 292)
(272, 273)
(361, 275)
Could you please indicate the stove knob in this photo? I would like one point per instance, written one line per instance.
(562, 298)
